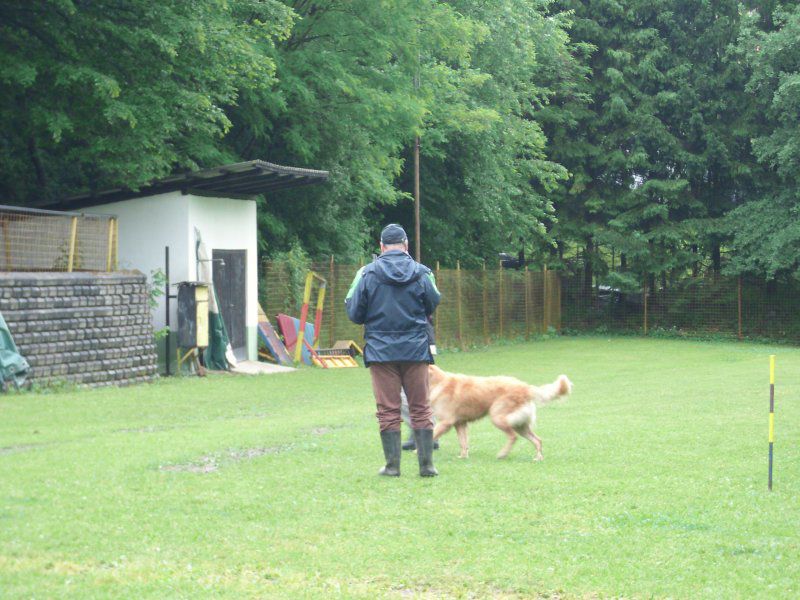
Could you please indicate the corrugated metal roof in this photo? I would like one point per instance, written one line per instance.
(238, 180)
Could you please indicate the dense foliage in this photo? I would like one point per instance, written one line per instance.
(114, 93)
(766, 231)
(632, 139)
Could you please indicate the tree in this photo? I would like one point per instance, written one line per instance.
(766, 229)
(114, 93)
(657, 155)
(489, 173)
(347, 101)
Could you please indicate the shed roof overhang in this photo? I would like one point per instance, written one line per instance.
(238, 180)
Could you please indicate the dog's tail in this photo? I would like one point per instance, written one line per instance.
(549, 392)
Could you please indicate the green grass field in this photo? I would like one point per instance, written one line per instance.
(653, 485)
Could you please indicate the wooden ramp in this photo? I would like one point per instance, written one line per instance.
(268, 335)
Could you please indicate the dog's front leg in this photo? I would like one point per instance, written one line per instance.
(463, 439)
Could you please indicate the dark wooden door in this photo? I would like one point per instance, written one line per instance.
(230, 281)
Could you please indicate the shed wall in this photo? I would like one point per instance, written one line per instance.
(228, 224)
(148, 224)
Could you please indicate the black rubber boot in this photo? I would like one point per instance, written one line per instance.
(424, 439)
(410, 444)
(391, 450)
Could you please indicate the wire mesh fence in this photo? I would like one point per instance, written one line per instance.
(477, 306)
(38, 240)
(712, 304)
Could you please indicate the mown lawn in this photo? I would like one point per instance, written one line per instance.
(653, 485)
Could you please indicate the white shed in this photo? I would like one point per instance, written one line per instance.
(219, 204)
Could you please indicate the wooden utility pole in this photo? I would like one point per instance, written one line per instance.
(417, 252)
(436, 321)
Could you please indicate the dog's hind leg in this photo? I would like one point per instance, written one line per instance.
(502, 425)
(463, 439)
(512, 437)
(440, 429)
(528, 434)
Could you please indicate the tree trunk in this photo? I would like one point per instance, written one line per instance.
(36, 159)
(587, 269)
(716, 258)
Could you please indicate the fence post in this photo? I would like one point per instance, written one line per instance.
(545, 301)
(7, 244)
(116, 243)
(436, 325)
(739, 302)
(644, 293)
(332, 301)
(558, 300)
(72, 235)
(110, 243)
(485, 308)
(459, 314)
(500, 296)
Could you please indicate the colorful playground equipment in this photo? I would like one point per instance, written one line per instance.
(311, 278)
(276, 350)
(301, 339)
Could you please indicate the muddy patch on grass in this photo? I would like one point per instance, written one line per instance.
(483, 591)
(17, 448)
(250, 453)
(205, 464)
(145, 429)
(326, 429)
(209, 463)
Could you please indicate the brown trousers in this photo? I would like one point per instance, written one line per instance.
(387, 381)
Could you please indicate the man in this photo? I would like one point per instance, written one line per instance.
(393, 297)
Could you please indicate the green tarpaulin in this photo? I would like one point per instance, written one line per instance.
(14, 369)
(218, 355)
(214, 355)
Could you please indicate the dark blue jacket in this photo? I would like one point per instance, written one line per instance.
(393, 297)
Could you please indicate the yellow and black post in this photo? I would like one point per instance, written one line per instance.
(771, 414)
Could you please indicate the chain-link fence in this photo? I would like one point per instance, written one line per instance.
(711, 304)
(39, 240)
(476, 306)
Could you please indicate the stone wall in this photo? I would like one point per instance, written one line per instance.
(83, 328)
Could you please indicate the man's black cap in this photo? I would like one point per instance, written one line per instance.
(393, 234)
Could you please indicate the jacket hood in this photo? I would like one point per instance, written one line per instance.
(397, 268)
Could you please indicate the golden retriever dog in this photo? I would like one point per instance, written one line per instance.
(510, 403)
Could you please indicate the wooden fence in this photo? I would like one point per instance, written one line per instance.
(477, 306)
